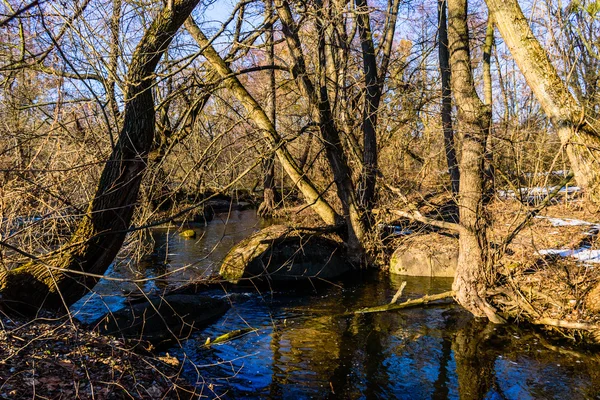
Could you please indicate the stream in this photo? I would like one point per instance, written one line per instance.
(302, 346)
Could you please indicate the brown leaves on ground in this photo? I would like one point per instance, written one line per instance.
(56, 360)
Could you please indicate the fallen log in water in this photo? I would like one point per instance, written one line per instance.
(407, 304)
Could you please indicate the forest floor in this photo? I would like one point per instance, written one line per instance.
(550, 272)
(55, 359)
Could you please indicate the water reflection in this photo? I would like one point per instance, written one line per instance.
(173, 261)
(305, 348)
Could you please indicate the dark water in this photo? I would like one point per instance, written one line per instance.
(303, 347)
(174, 260)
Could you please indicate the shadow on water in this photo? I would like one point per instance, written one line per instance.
(173, 261)
(305, 347)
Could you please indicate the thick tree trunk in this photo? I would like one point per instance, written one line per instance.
(444, 57)
(473, 271)
(579, 134)
(261, 119)
(60, 279)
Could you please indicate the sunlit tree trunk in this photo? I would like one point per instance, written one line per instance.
(113, 58)
(262, 120)
(473, 274)
(60, 279)
(487, 100)
(578, 133)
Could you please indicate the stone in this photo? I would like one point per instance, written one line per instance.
(281, 253)
(432, 255)
(188, 234)
(160, 319)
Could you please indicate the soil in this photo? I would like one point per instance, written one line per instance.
(55, 359)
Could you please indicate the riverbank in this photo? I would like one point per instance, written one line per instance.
(56, 358)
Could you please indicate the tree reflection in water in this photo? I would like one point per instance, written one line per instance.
(305, 348)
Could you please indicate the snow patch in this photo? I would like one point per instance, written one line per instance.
(582, 255)
(538, 192)
(568, 222)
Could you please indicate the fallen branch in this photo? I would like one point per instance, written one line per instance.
(559, 323)
(407, 304)
(398, 293)
(229, 336)
(414, 213)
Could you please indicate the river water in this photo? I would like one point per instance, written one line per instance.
(303, 345)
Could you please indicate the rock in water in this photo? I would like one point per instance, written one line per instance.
(281, 253)
(188, 234)
(161, 319)
(431, 255)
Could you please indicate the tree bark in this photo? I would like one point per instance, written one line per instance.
(487, 100)
(113, 59)
(444, 58)
(60, 279)
(322, 114)
(258, 115)
(473, 271)
(270, 195)
(579, 134)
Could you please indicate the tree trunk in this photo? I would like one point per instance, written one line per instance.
(444, 57)
(487, 99)
(372, 99)
(270, 195)
(258, 115)
(473, 272)
(577, 133)
(113, 59)
(60, 279)
(322, 114)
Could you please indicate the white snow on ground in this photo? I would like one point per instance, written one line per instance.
(538, 191)
(568, 222)
(583, 255)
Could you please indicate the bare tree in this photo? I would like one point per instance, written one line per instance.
(578, 132)
(446, 111)
(474, 272)
(57, 280)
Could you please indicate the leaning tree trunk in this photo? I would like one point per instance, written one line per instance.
(261, 119)
(473, 272)
(60, 279)
(578, 133)
(323, 116)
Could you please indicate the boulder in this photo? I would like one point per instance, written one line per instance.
(161, 319)
(433, 255)
(281, 253)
